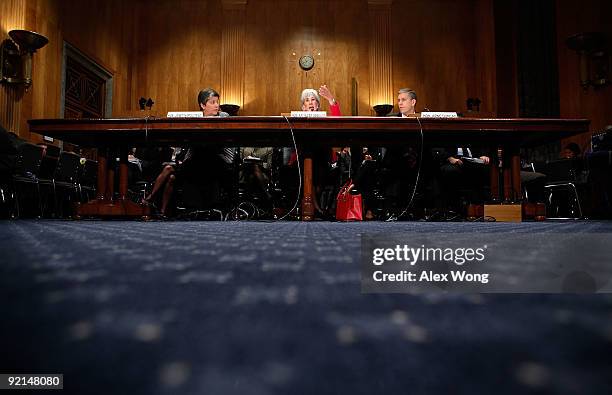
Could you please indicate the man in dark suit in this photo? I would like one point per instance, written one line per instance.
(454, 168)
(461, 178)
(389, 172)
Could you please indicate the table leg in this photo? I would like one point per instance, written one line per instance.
(307, 203)
(100, 194)
(123, 173)
(105, 205)
(517, 194)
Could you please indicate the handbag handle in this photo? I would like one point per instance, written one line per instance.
(347, 186)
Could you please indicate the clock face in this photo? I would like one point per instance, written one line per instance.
(306, 62)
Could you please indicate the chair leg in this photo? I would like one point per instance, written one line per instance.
(17, 208)
(7, 198)
(577, 199)
(56, 210)
(40, 204)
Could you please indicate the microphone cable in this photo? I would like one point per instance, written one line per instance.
(418, 176)
(297, 160)
(146, 119)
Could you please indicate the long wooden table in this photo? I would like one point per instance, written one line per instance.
(504, 135)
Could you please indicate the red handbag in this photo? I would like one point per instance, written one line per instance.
(348, 205)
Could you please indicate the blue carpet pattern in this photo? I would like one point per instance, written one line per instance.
(276, 308)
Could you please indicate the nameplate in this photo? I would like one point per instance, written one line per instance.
(185, 114)
(438, 114)
(308, 114)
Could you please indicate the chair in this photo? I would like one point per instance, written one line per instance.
(563, 201)
(88, 180)
(45, 175)
(7, 197)
(561, 190)
(27, 166)
(65, 179)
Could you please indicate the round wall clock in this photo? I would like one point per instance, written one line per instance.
(306, 62)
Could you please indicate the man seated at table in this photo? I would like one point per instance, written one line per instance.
(389, 173)
(462, 178)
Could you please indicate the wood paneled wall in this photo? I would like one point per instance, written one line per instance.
(13, 14)
(596, 105)
(177, 49)
(170, 49)
(99, 28)
(433, 47)
(445, 51)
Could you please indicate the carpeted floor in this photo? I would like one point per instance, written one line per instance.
(276, 308)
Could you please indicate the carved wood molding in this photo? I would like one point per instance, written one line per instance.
(380, 53)
(375, 3)
(234, 4)
(232, 52)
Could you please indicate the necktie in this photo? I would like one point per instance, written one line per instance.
(228, 155)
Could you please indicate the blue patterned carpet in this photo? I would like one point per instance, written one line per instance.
(276, 308)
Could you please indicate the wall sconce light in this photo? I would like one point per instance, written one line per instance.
(593, 57)
(231, 109)
(382, 109)
(16, 56)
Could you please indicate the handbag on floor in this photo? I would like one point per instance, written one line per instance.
(348, 205)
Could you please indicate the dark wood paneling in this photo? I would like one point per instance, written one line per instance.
(580, 17)
(436, 53)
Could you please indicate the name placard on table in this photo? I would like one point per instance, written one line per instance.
(439, 114)
(185, 114)
(308, 114)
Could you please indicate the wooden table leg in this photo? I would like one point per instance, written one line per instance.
(517, 191)
(507, 184)
(110, 184)
(100, 193)
(494, 179)
(123, 173)
(307, 203)
(105, 205)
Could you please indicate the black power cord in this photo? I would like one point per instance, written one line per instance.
(418, 176)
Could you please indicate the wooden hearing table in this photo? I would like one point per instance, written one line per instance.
(505, 136)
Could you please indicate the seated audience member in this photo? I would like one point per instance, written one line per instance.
(151, 160)
(458, 173)
(570, 151)
(199, 164)
(534, 181)
(255, 172)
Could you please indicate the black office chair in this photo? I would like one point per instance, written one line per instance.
(7, 196)
(88, 180)
(64, 184)
(564, 180)
(27, 166)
